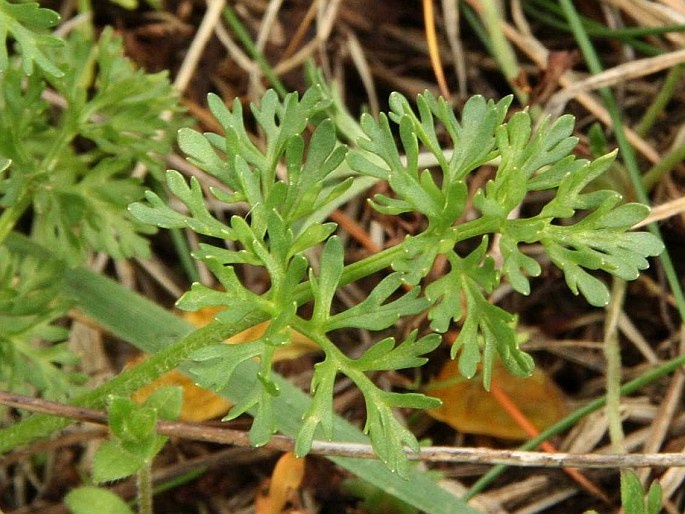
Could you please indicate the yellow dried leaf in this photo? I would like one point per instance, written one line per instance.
(198, 403)
(469, 408)
(299, 344)
(285, 480)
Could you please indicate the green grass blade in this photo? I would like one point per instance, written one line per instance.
(244, 36)
(660, 101)
(551, 14)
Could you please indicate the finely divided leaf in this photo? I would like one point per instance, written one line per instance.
(24, 23)
(388, 436)
(373, 313)
(214, 365)
(384, 355)
(320, 411)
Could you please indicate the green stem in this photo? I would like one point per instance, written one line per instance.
(573, 418)
(183, 252)
(475, 228)
(661, 100)
(144, 481)
(384, 259)
(502, 51)
(612, 354)
(244, 36)
(477, 26)
(66, 135)
(307, 329)
(356, 271)
(666, 164)
(10, 216)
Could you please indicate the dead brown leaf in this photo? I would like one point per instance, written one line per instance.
(282, 486)
(469, 408)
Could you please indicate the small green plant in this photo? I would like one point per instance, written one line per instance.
(71, 165)
(579, 231)
(633, 496)
(131, 449)
(76, 116)
(65, 178)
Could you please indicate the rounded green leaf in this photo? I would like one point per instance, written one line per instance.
(112, 462)
(593, 289)
(86, 500)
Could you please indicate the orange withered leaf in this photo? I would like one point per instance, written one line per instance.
(469, 408)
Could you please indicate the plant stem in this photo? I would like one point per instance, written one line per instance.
(10, 216)
(666, 164)
(183, 252)
(612, 354)
(356, 270)
(385, 258)
(501, 48)
(244, 36)
(475, 228)
(144, 481)
(660, 101)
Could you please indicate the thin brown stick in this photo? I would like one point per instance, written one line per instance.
(209, 433)
(204, 33)
(521, 420)
(301, 30)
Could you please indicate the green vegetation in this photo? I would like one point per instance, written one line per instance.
(76, 117)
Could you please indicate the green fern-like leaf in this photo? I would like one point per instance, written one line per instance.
(26, 23)
(275, 234)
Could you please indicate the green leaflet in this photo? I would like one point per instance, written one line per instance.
(633, 496)
(25, 23)
(82, 499)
